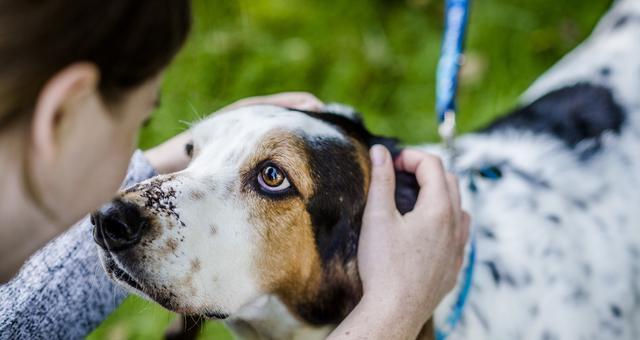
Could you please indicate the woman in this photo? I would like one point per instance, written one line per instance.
(77, 80)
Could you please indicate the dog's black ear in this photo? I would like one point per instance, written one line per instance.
(350, 122)
(346, 119)
(406, 191)
(336, 219)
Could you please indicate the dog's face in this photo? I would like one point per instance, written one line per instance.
(270, 204)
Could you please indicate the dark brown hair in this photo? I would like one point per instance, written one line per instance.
(129, 41)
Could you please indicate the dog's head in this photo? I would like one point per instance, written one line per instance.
(270, 204)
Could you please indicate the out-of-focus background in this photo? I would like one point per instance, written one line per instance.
(377, 55)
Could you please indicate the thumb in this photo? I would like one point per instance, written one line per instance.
(381, 197)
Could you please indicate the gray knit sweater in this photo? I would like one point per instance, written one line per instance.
(62, 291)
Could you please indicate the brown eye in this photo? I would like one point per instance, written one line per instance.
(272, 176)
(272, 179)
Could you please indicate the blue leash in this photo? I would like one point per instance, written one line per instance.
(456, 313)
(457, 15)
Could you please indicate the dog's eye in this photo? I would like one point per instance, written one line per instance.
(272, 179)
(188, 149)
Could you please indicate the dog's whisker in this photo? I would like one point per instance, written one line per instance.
(186, 123)
(194, 112)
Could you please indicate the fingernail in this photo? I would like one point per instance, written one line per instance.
(378, 155)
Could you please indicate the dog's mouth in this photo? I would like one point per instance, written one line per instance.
(216, 315)
(118, 274)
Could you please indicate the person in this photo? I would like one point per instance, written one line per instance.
(77, 80)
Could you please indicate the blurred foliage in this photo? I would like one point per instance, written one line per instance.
(377, 55)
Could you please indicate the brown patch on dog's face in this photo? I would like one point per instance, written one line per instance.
(289, 152)
(290, 264)
(309, 235)
(291, 267)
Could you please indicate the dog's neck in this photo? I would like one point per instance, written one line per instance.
(269, 318)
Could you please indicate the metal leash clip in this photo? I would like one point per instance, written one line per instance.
(447, 132)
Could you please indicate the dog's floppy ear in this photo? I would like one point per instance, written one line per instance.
(350, 122)
(406, 184)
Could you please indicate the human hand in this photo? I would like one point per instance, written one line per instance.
(407, 263)
(295, 100)
(170, 156)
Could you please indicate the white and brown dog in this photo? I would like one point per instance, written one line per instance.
(261, 229)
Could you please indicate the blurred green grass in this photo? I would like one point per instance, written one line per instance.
(377, 55)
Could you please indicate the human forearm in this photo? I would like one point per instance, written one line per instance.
(379, 318)
(61, 292)
(18, 245)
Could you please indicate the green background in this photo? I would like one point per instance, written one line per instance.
(377, 55)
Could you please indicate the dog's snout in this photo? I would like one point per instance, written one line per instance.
(118, 226)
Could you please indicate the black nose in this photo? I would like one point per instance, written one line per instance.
(118, 226)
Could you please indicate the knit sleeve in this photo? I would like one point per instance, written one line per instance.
(62, 292)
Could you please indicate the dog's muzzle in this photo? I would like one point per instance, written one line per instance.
(118, 226)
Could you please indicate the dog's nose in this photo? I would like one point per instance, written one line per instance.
(118, 226)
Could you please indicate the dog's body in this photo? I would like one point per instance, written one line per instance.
(559, 234)
(558, 231)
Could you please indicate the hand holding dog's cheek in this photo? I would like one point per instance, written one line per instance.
(438, 212)
(411, 262)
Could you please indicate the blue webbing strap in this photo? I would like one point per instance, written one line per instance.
(457, 15)
(457, 12)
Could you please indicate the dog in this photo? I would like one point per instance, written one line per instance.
(261, 229)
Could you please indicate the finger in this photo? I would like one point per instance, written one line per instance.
(462, 237)
(459, 262)
(430, 175)
(381, 196)
(456, 209)
(454, 189)
(422, 164)
(170, 156)
(465, 226)
(296, 100)
(309, 102)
